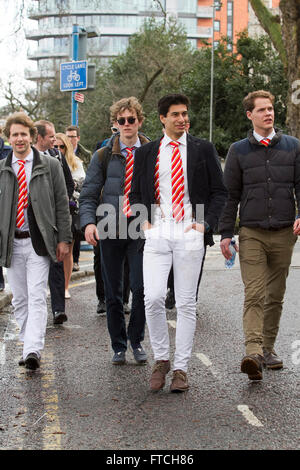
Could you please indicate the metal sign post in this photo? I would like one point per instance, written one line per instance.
(75, 44)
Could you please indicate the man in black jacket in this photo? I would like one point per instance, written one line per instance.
(45, 142)
(262, 175)
(179, 180)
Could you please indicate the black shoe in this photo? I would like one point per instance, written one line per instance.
(126, 309)
(2, 286)
(101, 307)
(75, 268)
(170, 300)
(119, 358)
(32, 361)
(21, 362)
(59, 318)
(139, 355)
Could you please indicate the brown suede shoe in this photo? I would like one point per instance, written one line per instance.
(271, 360)
(179, 382)
(252, 365)
(158, 376)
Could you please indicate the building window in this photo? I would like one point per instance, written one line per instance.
(187, 6)
(230, 23)
(217, 25)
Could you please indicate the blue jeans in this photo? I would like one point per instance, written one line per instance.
(113, 253)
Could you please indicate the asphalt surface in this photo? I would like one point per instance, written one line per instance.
(79, 400)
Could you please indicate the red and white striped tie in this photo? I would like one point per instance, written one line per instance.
(265, 142)
(23, 198)
(177, 179)
(128, 177)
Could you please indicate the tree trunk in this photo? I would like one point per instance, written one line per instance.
(286, 40)
(290, 17)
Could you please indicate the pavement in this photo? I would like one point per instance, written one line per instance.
(214, 261)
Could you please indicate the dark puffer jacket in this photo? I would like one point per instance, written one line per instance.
(264, 181)
(104, 187)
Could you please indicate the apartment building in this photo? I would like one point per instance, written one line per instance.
(117, 20)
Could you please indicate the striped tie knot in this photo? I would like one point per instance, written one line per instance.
(265, 142)
(128, 178)
(174, 144)
(23, 197)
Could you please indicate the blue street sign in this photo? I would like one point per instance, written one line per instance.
(73, 76)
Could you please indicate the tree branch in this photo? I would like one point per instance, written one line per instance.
(271, 26)
(149, 83)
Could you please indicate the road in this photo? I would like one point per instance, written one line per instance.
(78, 400)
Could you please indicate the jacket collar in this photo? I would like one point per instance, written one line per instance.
(37, 160)
(274, 141)
(116, 143)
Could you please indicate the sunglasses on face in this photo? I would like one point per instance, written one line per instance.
(59, 147)
(122, 120)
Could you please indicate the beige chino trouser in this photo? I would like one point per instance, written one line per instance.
(265, 258)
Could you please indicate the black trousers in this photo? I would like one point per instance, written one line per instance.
(57, 286)
(114, 252)
(1, 276)
(76, 247)
(99, 279)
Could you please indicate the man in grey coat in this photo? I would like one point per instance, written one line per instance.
(34, 228)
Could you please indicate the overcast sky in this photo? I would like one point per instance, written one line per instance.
(13, 46)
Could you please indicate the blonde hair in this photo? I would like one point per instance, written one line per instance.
(70, 156)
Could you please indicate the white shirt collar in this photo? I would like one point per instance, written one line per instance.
(260, 137)
(136, 145)
(167, 139)
(29, 157)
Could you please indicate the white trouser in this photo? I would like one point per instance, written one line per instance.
(27, 278)
(165, 245)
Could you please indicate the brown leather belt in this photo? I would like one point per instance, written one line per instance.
(20, 234)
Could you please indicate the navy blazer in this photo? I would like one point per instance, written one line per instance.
(204, 174)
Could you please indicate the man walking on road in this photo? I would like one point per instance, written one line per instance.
(34, 226)
(109, 177)
(44, 143)
(262, 175)
(179, 180)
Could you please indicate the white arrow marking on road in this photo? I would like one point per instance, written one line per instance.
(207, 362)
(249, 416)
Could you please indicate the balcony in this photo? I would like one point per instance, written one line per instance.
(37, 75)
(36, 34)
(37, 12)
(201, 32)
(47, 54)
(205, 12)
